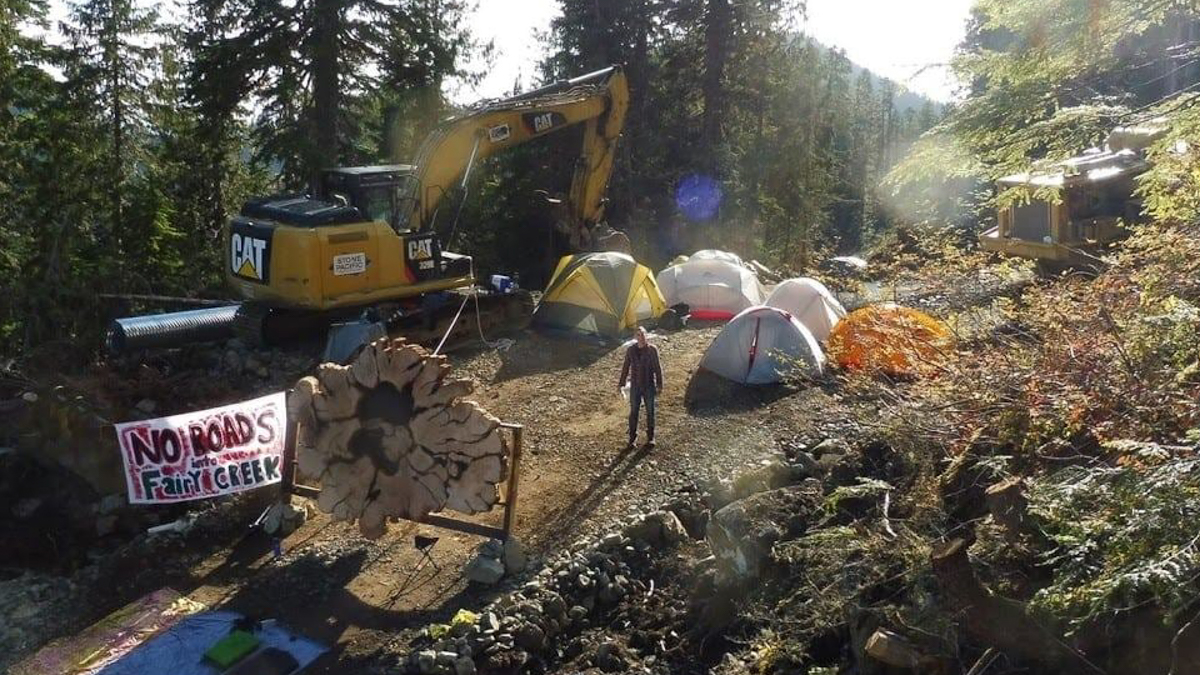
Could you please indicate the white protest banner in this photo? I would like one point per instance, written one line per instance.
(205, 454)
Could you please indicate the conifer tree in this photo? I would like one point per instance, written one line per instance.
(318, 66)
(109, 64)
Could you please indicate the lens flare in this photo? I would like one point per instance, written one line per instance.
(698, 197)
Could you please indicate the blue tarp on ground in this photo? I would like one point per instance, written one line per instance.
(179, 650)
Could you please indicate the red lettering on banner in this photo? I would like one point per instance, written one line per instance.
(206, 453)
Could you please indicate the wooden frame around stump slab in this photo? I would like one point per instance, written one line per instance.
(288, 487)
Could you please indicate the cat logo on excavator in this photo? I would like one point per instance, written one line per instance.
(247, 256)
(420, 249)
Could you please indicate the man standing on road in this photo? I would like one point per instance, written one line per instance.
(644, 375)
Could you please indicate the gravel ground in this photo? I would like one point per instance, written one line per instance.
(576, 480)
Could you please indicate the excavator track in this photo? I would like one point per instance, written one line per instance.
(491, 314)
(249, 324)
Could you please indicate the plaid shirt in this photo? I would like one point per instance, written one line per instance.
(642, 367)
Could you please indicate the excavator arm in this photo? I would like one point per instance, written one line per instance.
(598, 101)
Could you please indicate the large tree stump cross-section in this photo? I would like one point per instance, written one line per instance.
(389, 436)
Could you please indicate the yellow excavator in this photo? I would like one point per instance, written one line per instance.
(367, 237)
(1095, 199)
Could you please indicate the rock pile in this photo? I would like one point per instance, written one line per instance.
(575, 589)
(552, 616)
(743, 533)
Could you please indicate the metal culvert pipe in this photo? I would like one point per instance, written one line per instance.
(170, 330)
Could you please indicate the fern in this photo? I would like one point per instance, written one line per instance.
(865, 488)
(1123, 537)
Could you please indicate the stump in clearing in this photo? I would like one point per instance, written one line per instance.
(1008, 505)
(390, 436)
(996, 621)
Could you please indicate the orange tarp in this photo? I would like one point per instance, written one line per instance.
(891, 339)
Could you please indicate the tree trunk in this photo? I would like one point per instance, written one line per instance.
(639, 85)
(327, 26)
(718, 30)
(1007, 503)
(118, 141)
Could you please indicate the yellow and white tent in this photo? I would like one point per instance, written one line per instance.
(605, 294)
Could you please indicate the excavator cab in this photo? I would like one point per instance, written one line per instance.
(373, 190)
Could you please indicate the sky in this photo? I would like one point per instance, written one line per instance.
(905, 40)
(908, 41)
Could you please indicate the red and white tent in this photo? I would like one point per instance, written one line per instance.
(761, 345)
(712, 289)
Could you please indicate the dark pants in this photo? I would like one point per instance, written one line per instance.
(636, 396)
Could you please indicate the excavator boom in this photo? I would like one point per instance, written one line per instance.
(598, 100)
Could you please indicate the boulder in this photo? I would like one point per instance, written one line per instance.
(741, 534)
(772, 474)
(828, 462)
(531, 637)
(803, 465)
(427, 661)
(484, 570)
(830, 446)
(609, 659)
(492, 548)
(515, 558)
(464, 666)
(661, 528)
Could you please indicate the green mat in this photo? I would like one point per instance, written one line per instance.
(232, 648)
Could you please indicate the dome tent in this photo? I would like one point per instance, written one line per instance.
(602, 294)
(712, 289)
(714, 254)
(891, 339)
(760, 345)
(809, 301)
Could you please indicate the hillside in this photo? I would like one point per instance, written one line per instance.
(905, 100)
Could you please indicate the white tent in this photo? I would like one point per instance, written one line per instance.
(762, 344)
(714, 254)
(809, 301)
(712, 289)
